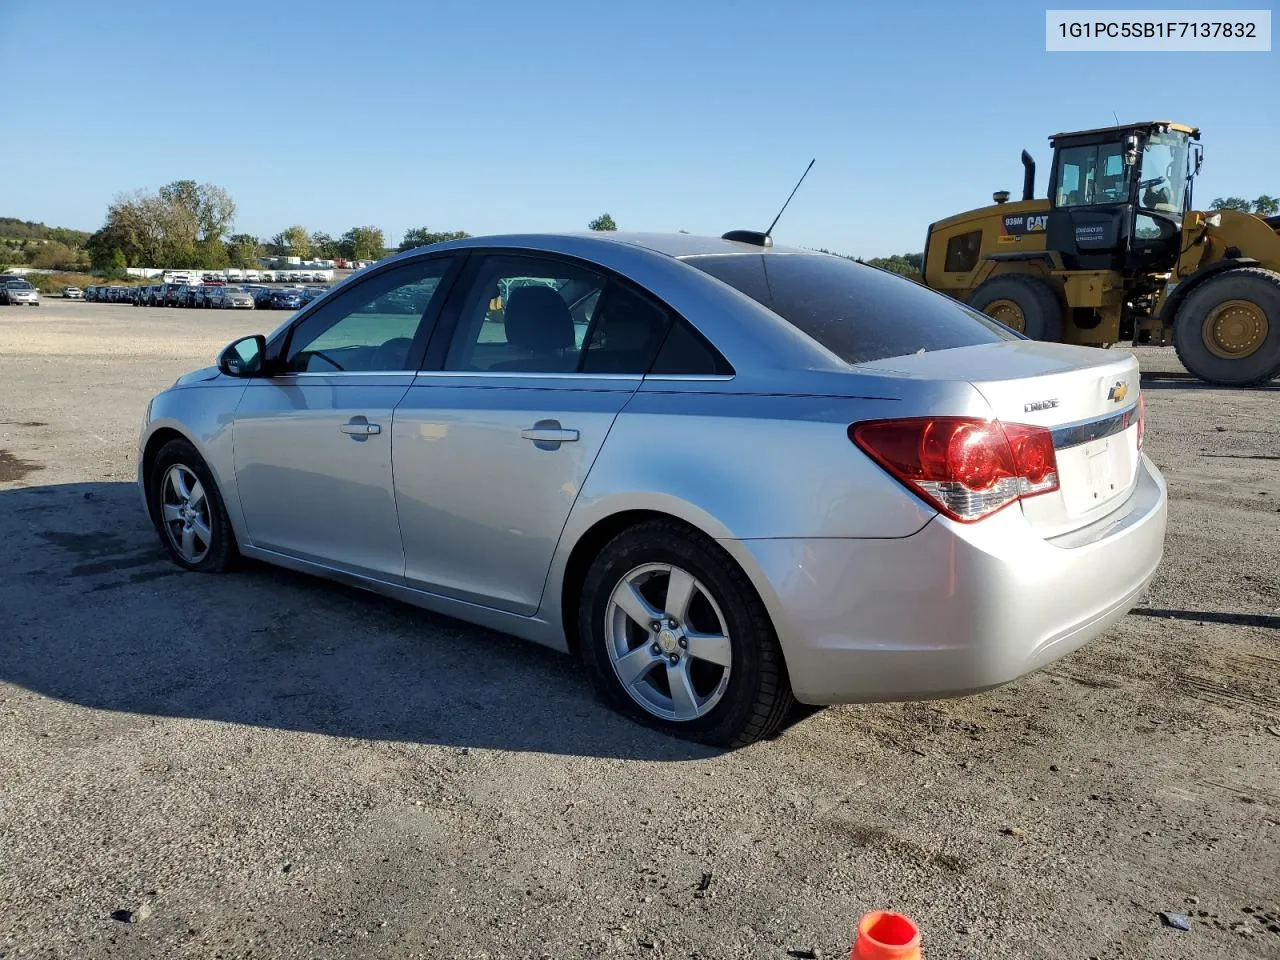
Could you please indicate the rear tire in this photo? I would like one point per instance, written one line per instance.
(740, 696)
(1031, 297)
(1227, 331)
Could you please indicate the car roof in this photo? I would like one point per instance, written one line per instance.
(676, 245)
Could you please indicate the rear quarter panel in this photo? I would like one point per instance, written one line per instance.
(745, 467)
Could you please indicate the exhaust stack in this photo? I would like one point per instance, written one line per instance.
(1028, 177)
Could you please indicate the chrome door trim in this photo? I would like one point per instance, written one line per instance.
(513, 375)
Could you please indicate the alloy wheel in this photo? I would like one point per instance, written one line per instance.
(668, 642)
(184, 513)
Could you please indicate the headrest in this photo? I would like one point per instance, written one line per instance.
(537, 319)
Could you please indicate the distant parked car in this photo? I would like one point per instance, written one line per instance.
(72, 293)
(188, 295)
(237, 300)
(228, 298)
(285, 300)
(169, 294)
(17, 292)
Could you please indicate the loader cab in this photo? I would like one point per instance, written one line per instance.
(1118, 196)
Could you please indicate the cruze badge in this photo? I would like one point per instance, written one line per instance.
(1035, 405)
(1118, 392)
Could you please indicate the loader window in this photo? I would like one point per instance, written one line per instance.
(962, 252)
(1163, 183)
(1090, 175)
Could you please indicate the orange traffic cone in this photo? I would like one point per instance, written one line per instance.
(886, 936)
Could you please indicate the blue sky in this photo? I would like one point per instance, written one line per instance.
(491, 116)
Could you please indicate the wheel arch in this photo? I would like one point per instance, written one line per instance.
(599, 525)
(156, 442)
(213, 449)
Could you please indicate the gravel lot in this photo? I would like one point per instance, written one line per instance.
(269, 765)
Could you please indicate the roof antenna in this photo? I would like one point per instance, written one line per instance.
(754, 237)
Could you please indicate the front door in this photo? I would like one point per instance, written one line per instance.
(491, 451)
(313, 442)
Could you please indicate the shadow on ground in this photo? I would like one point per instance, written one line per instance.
(94, 613)
(1184, 381)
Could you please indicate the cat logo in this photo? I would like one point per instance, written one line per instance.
(1118, 392)
(1037, 224)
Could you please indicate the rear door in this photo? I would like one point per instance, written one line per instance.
(492, 446)
(313, 442)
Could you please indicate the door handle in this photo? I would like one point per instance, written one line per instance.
(556, 434)
(357, 429)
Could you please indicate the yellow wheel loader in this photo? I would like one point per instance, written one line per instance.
(1116, 253)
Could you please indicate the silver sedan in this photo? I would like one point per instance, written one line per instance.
(727, 475)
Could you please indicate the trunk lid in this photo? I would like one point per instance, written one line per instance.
(1087, 398)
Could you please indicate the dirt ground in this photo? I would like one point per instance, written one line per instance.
(266, 765)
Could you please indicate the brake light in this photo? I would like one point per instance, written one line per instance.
(967, 468)
(1142, 418)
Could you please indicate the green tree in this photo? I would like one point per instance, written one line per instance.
(243, 250)
(1266, 206)
(117, 264)
(363, 243)
(907, 264)
(425, 236)
(180, 225)
(1231, 203)
(293, 241)
(602, 222)
(54, 255)
(324, 246)
(212, 255)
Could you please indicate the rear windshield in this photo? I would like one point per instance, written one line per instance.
(857, 312)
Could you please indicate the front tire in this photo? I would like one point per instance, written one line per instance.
(188, 510)
(1023, 303)
(674, 636)
(1227, 331)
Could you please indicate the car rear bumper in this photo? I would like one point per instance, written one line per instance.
(955, 608)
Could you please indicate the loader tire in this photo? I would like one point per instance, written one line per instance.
(1227, 331)
(1023, 303)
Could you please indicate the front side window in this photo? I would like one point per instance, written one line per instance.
(370, 327)
(1091, 175)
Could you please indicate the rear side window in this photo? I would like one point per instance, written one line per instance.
(857, 312)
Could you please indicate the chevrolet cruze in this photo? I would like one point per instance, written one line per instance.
(725, 474)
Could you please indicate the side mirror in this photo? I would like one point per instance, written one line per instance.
(1131, 150)
(247, 357)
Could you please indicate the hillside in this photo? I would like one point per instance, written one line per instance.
(11, 228)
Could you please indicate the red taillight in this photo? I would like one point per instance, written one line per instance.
(965, 467)
(1142, 419)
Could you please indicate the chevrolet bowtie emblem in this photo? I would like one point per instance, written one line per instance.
(1118, 392)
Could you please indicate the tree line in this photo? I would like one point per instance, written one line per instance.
(1263, 206)
(188, 225)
